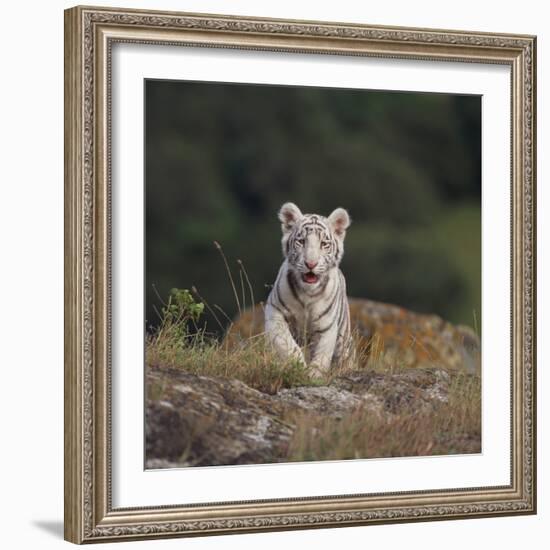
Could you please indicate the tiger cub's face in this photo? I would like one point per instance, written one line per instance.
(312, 244)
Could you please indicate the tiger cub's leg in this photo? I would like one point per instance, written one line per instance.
(322, 350)
(279, 335)
(344, 351)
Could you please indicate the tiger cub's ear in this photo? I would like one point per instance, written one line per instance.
(339, 221)
(289, 215)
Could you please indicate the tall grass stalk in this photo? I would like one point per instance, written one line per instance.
(252, 300)
(228, 269)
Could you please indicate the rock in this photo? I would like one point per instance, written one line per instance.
(164, 431)
(210, 421)
(417, 390)
(391, 336)
(326, 400)
(198, 421)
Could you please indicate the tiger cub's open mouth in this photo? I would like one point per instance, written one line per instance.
(310, 277)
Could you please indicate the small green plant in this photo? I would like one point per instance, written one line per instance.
(181, 307)
(178, 313)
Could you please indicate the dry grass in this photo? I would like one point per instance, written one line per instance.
(452, 428)
(252, 361)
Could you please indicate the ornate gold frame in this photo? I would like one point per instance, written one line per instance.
(89, 35)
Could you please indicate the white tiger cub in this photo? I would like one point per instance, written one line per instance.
(308, 306)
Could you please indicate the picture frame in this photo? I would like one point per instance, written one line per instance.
(90, 35)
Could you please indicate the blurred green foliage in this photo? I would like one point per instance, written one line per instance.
(222, 158)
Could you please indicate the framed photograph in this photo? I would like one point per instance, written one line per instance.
(299, 274)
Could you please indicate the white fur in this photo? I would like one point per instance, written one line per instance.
(307, 312)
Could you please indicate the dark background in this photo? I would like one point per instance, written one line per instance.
(222, 158)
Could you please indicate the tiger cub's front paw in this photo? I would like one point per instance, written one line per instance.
(317, 371)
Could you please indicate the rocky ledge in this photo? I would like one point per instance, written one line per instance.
(198, 421)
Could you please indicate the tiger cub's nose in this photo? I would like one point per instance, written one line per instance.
(311, 265)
